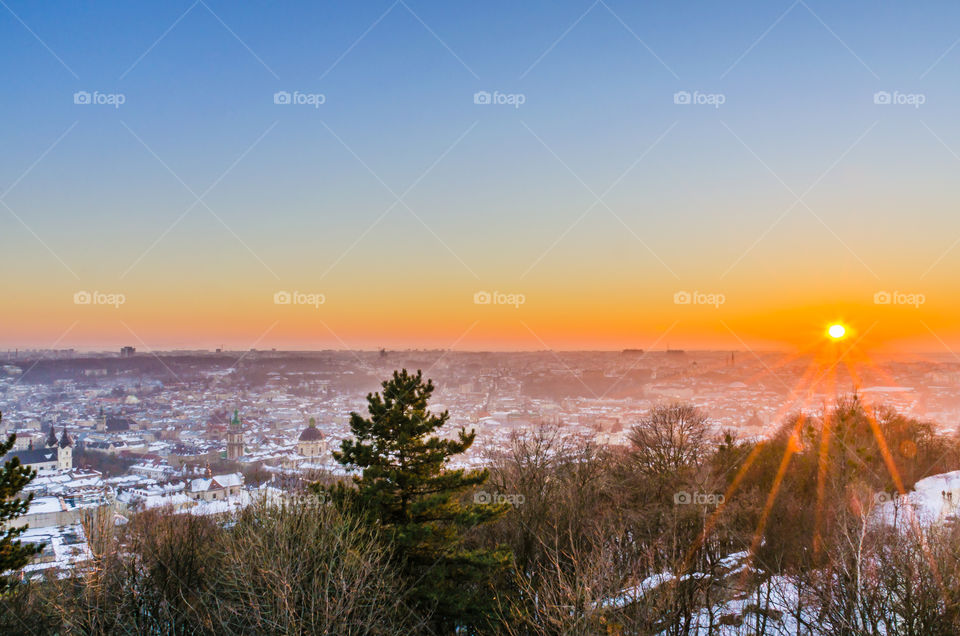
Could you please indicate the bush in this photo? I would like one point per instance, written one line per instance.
(268, 570)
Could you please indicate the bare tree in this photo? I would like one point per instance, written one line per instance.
(670, 440)
(305, 569)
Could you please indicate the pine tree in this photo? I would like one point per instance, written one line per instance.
(406, 488)
(13, 477)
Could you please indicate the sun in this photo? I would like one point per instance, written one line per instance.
(837, 331)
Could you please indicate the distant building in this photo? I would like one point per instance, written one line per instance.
(56, 454)
(753, 424)
(120, 423)
(235, 438)
(311, 443)
(550, 416)
(114, 423)
(607, 424)
(127, 352)
(216, 487)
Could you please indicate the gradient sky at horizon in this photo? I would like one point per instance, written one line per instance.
(692, 197)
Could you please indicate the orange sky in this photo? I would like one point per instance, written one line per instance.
(445, 316)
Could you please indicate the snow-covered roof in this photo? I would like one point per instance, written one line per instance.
(216, 482)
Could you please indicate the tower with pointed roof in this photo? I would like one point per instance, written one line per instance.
(51, 437)
(235, 437)
(64, 450)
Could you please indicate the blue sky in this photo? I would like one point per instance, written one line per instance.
(496, 188)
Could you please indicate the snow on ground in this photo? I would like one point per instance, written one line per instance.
(932, 500)
(734, 616)
(632, 594)
(740, 616)
(64, 546)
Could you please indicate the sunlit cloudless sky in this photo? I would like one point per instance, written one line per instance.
(397, 199)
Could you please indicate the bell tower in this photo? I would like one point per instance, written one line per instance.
(235, 437)
(65, 451)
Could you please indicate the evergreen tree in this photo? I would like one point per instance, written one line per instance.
(407, 489)
(13, 477)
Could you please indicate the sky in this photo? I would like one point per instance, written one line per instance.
(498, 175)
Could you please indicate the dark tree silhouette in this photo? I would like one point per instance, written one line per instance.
(13, 477)
(406, 488)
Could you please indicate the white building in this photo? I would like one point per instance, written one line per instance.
(57, 454)
(216, 487)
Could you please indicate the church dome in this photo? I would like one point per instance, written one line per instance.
(311, 433)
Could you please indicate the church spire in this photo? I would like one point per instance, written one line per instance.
(52, 437)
